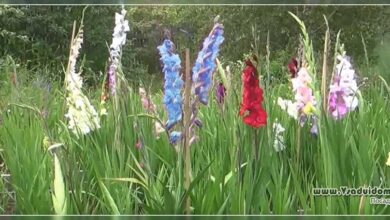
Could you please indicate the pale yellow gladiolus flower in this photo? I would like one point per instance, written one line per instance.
(309, 109)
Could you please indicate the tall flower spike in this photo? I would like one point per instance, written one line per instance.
(205, 64)
(343, 90)
(82, 116)
(303, 93)
(304, 98)
(172, 87)
(303, 107)
(252, 98)
(118, 40)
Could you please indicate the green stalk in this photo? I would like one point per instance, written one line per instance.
(267, 62)
(255, 146)
(298, 144)
(325, 66)
(117, 115)
(187, 121)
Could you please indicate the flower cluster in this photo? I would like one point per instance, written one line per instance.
(205, 63)
(172, 87)
(251, 105)
(304, 105)
(342, 93)
(304, 97)
(118, 40)
(82, 116)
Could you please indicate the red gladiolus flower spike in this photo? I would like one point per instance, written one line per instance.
(251, 105)
(293, 67)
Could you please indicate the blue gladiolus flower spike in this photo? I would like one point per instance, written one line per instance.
(205, 64)
(172, 86)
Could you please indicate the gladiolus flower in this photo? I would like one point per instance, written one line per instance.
(314, 127)
(118, 40)
(289, 106)
(138, 145)
(146, 101)
(279, 144)
(172, 87)
(174, 137)
(309, 108)
(342, 93)
(149, 106)
(293, 67)
(158, 129)
(173, 83)
(252, 98)
(304, 97)
(205, 63)
(82, 116)
(221, 91)
(304, 105)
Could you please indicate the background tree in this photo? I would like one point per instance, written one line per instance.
(38, 36)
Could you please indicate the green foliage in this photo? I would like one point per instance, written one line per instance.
(39, 36)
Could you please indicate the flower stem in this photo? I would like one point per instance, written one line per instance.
(187, 121)
(325, 66)
(255, 146)
(117, 116)
(298, 144)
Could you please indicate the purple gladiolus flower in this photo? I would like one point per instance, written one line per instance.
(221, 91)
(342, 93)
(314, 128)
(205, 63)
(173, 83)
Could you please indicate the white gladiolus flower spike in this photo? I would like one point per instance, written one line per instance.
(82, 116)
(279, 144)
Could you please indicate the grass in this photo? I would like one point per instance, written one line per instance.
(226, 178)
(105, 173)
